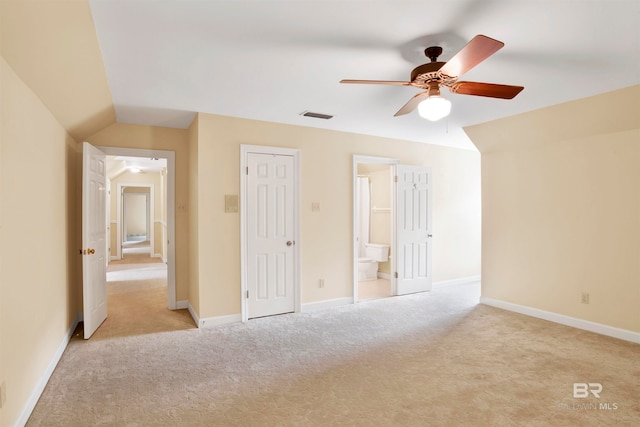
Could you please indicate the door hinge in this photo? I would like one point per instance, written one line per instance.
(247, 170)
(395, 274)
(247, 294)
(395, 178)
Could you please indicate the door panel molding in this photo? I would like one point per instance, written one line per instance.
(245, 150)
(414, 229)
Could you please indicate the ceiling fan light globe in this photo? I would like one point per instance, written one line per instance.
(434, 108)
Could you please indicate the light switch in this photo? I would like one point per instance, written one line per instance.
(231, 203)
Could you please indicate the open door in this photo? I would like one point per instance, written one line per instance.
(94, 236)
(413, 237)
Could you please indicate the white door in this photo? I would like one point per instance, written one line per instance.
(270, 234)
(413, 229)
(94, 235)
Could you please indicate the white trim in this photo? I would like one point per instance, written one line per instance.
(158, 256)
(453, 282)
(193, 314)
(182, 304)
(295, 153)
(354, 182)
(170, 156)
(113, 258)
(159, 221)
(382, 275)
(562, 319)
(212, 322)
(328, 303)
(40, 386)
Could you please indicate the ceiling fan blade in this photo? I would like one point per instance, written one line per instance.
(412, 104)
(490, 90)
(477, 50)
(377, 82)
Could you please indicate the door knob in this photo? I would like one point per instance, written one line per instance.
(289, 243)
(91, 251)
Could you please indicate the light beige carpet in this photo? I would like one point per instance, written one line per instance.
(426, 359)
(137, 300)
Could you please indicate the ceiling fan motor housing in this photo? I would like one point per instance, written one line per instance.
(423, 74)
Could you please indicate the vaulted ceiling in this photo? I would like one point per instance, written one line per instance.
(272, 60)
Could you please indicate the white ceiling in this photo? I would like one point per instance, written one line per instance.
(117, 165)
(272, 60)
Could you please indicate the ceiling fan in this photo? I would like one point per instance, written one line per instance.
(435, 74)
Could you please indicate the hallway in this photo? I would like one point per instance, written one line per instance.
(137, 298)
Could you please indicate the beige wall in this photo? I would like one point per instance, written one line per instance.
(326, 175)
(561, 208)
(38, 228)
(53, 47)
(158, 138)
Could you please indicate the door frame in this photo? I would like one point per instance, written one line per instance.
(170, 156)
(120, 215)
(260, 149)
(357, 159)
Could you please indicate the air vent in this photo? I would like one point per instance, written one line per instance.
(316, 115)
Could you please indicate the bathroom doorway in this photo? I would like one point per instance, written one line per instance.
(374, 231)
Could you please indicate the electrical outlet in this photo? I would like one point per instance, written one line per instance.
(3, 393)
(181, 208)
(321, 283)
(585, 298)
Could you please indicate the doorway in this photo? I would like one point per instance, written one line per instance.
(392, 228)
(269, 231)
(141, 314)
(374, 237)
(140, 212)
(135, 215)
(142, 171)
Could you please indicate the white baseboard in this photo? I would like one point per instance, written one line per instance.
(113, 258)
(157, 256)
(562, 319)
(210, 322)
(180, 305)
(382, 275)
(459, 281)
(329, 303)
(39, 388)
(193, 314)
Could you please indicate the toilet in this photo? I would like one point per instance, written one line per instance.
(368, 265)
